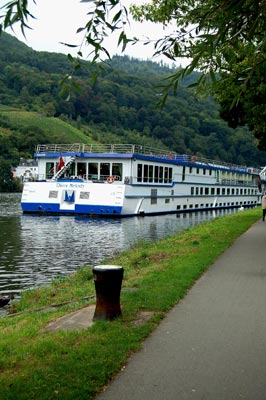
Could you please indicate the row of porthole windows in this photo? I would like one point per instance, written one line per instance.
(221, 191)
(207, 205)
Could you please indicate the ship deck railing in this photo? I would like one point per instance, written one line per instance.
(80, 148)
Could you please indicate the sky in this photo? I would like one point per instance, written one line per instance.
(58, 20)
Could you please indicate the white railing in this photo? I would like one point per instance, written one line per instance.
(103, 148)
(59, 148)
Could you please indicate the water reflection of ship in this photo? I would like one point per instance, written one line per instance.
(50, 246)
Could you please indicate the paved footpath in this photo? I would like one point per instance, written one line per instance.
(212, 345)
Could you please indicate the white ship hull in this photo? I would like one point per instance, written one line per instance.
(135, 184)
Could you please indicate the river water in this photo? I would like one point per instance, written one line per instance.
(35, 249)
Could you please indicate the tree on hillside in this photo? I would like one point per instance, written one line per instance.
(225, 41)
(7, 183)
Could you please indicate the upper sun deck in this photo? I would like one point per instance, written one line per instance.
(132, 150)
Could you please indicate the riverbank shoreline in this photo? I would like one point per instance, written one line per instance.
(79, 363)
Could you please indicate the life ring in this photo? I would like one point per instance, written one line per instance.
(110, 179)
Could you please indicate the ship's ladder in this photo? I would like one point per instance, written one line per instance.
(64, 168)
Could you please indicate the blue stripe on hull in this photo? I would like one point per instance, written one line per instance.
(46, 208)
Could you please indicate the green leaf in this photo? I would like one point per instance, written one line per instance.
(117, 16)
(213, 76)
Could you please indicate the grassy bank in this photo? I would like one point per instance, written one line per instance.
(36, 364)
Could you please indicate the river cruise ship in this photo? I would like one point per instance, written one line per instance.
(132, 180)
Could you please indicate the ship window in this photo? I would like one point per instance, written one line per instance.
(201, 190)
(190, 170)
(150, 173)
(93, 170)
(184, 207)
(161, 174)
(218, 191)
(206, 190)
(170, 174)
(84, 195)
(228, 191)
(49, 173)
(105, 170)
(192, 190)
(197, 170)
(210, 172)
(212, 190)
(117, 171)
(167, 201)
(184, 173)
(71, 170)
(178, 207)
(166, 174)
(139, 177)
(145, 177)
(156, 174)
(197, 190)
(53, 194)
(81, 170)
(204, 171)
(223, 190)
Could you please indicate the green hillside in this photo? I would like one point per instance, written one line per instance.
(55, 130)
(120, 107)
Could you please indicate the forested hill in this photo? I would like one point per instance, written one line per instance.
(120, 107)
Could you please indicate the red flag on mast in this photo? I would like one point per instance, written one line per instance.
(61, 164)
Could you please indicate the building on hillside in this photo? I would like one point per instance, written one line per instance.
(27, 170)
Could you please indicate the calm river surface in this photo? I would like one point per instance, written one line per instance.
(34, 249)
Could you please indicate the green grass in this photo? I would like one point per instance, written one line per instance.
(35, 364)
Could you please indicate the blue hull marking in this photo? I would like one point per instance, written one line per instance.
(46, 208)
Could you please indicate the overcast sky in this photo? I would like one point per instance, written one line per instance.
(58, 20)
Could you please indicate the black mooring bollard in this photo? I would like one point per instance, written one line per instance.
(108, 282)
